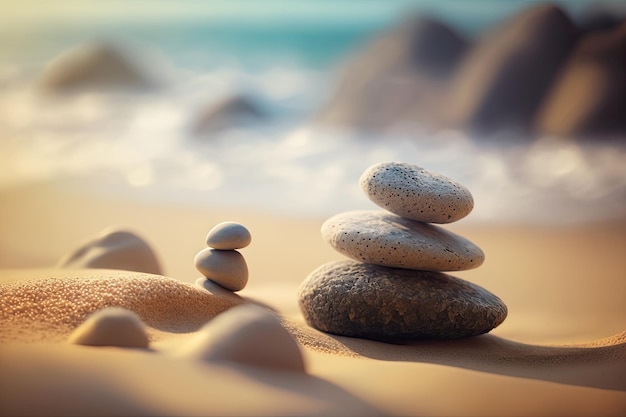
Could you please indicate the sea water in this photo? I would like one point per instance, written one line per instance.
(285, 58)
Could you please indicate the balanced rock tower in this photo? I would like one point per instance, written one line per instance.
(221, 262)
(394, 287)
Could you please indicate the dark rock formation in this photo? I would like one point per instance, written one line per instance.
(537, 73)
(590, 95)
(505, 78)
(400, 76)
(230, 112)
(600, 17)
(96, 65)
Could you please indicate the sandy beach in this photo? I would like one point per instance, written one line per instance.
(561, 350)
(478, 263)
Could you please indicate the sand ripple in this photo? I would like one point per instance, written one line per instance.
(46, 305)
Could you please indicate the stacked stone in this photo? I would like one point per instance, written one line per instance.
(221, 263)
(394, 289)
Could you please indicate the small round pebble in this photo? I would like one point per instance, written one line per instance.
(111, 326)
(415, 193)
(224, 267)
(388, 304)
(382, 238)
(218, 291)
(228, 235)
(246, 334)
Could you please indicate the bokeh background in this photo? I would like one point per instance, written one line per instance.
(280, 105)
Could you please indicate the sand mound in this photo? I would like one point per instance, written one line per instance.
(80, 381)
(111, 326)
(46, 305)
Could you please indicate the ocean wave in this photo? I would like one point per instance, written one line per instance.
(141, 145)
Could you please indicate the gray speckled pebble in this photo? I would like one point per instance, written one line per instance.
(227, 268)
(383, 238)
(362, 300)
(228, 235)
(415, 193)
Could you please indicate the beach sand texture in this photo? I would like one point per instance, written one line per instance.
(561, 351)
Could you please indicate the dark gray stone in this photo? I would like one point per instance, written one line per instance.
(369, 301)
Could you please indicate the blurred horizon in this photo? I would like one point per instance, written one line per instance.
(250, 77)
(46, 28)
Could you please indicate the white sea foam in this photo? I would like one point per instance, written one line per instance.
(140, 146)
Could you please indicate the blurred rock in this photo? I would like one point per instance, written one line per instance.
(401, 76)
(590, 95)
(114, 249)
(95, 65)
(537, 73)
(501, 84)
(230, 112)
(598, 16)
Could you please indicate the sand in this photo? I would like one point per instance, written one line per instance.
(561, 351)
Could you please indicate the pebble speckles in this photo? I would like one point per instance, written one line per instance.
(415, 193)
(362, 300)
(396, 289)
(385, 239)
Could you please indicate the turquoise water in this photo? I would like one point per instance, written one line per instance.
(204, 34)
